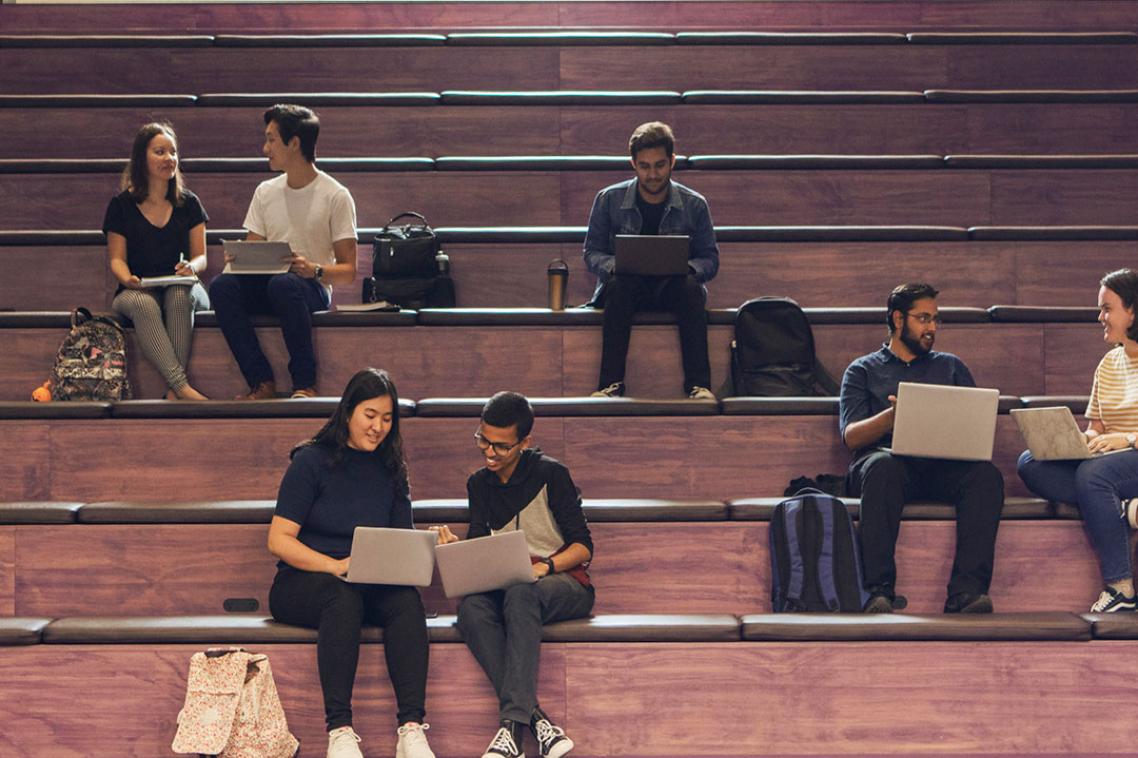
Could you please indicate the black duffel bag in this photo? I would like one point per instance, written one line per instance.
(405, 250)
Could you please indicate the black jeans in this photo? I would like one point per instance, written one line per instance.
(289, 297)
(624, 295)
(886, 482)
(337, 610)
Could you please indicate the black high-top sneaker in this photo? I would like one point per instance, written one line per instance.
(550, 737)
(507, 743)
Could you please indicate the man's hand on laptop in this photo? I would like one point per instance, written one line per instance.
(446, 536)
(340, 567)
(301, 266)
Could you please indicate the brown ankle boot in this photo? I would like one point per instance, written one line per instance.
(263, 391)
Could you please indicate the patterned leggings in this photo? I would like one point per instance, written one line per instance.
(164, 326)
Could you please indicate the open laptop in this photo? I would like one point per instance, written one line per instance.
(1052, 434)
(938, 421)
(483, 564)
(651, 255)
(258, 257)
(392, 556)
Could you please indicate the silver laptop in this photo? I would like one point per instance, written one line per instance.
(257, 257)
(1052, 434)
(651, 255)
(392, 556)
(484, 563)
(938, 421)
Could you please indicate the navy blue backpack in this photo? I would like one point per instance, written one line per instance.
(815, 556)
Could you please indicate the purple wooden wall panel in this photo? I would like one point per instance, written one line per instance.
(775, 679)
(1069, 197)
(143, 570)
(1071, 354)
(7, 571)
(236, 132)
(293, 69)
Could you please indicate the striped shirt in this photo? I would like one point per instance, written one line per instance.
(1114, 396)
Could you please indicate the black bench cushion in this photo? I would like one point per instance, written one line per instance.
(537, 163)
(105, 40)
(511, 234)
(903, 233)
(317, 407)
(1077, 403)
(190, 512)
(1042, 161)
(559, 39)
(14, 409)
(1032, 96)
(39, 512)
(248, 629)
(597, 510)
(21, 630)
(1053, 233)
(1113, 626)
(789, 38)
(844, 627)
(96, 101)
(560, 97)
(1023, 38)
(1025, 314)
(817, 162)
(266, 99)
(573, 406)
(799, 97)
(1015, 508)
(330, 40)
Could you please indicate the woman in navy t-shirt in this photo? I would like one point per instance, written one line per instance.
(352, 473)
(156, 228)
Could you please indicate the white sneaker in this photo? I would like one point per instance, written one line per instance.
(701, 393)
(1130, 508)
(413, 742)
(344, 743)
(616, 389)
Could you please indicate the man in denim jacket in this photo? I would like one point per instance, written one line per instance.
(652, 204)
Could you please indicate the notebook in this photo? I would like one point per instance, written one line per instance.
(939, 421)
(651, 255)
(484, 563)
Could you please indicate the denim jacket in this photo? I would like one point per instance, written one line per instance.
(614, 212)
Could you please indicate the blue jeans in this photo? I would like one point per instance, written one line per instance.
(292, 299)
(1097, 486)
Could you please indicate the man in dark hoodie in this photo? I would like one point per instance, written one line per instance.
(521, 488)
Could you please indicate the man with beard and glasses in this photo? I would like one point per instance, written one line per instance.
(651, 203)
(886, 482)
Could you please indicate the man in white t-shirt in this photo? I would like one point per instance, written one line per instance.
(315, 214)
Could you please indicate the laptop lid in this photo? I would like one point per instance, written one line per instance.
(256, 257)
(484, 563)
(1051, 434)
(651, 255)
(939, 421)
(392, 556)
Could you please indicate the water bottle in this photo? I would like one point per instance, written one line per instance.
(558, 273)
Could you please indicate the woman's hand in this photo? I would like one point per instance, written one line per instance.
(184, 269)
(133, 283)
(446, 536)
(1102, 443)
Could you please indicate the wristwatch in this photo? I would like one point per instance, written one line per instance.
(319, 274)
(1131, 439)
(549, 562)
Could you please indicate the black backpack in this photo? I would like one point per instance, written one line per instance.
(408, 268)
(815, 556)
(773, 352)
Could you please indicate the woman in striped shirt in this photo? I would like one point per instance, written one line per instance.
(1103, 487)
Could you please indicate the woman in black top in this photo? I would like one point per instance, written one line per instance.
(156, 228)
(352, 473)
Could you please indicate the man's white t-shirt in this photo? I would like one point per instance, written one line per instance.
(309, 219)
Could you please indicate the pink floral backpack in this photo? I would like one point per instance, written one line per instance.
(232, 709)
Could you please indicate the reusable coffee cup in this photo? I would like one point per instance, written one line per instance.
(558, 273)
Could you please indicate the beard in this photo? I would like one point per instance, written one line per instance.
(914, 343)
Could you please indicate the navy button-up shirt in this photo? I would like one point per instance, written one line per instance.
(871, 379)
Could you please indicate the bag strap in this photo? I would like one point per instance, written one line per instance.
(797, 569)
(82, 315)
(826, 561)
(406, 214)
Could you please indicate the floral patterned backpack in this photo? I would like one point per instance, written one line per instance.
(232, 709)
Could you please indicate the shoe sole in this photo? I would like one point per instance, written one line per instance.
(879, 605)
(981, 605)
(561, 748)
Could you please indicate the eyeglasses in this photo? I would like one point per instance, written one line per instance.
(500, 448)
(926, 318)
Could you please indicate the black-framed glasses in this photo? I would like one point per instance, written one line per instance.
(500, 448)
(926, 318)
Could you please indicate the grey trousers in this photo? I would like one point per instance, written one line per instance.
(503, 631)
(164, 326)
